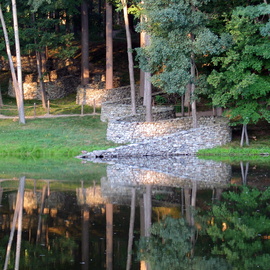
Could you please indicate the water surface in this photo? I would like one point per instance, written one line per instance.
(117, 215)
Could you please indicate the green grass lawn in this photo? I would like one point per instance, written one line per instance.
(68, 136)
(257, 150)
(53, 137)
(65, 105)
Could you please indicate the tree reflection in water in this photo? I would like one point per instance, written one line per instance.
(239, 228)
(94, 226)
(235, 229)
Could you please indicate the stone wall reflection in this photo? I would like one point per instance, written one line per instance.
(122, 174)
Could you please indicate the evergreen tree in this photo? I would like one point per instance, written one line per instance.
(178, 37)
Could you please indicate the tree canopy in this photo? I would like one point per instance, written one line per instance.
(241, 75)
(178, 29)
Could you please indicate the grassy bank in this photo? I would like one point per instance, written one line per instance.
(64, 169)
(257, 150)
(53, 137)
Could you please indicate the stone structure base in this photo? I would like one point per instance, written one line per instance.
(165, 136)
(97, 94)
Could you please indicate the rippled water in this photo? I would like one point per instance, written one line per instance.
(145, 212)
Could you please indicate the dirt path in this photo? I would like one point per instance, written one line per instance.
(46, 116)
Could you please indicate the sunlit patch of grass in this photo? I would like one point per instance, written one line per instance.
(53, 136)
(259, 150)
(65, 105)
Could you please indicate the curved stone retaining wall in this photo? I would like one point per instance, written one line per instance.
(165, 136)
(89, 94)
(54, 89)
(125, 130)
(184, 142)
(111, 111)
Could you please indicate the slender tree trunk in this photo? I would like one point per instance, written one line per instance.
(130, 58)
(147, 198)
(17, 214)
(20, 216)
(142, 83)
(18, 92)
(192, 91)
(85, 236)
(148, 89)
(43, 197)
(109, 46)
(244, 172)
(39, 69)
(145, 80)
(17, 44)
(85, 44)
(12, 231)
(1, 99)
(109, 236)
(219, 111)
(244, 136)
(183, 105)
(19, 64)
(41, 81)
(142, 73)
(131, 228)
(148, 97)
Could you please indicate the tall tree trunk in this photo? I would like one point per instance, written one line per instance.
(1, 99)
(18, 92)
(147, 199)
(131, 228)
(130, 58)
(148, 89)
(19, 64)
(244, 172)
(17, 45)
(41, 81)
(85, 236)
(19, 230)
(145, 80)
(18, 209)
(148, 97)
(109, 236)
(142, 73)
(244, 136)
(187, 97)
(192, 91)
(39, 226)
(109, 46)
(85, 44)
(39, 69)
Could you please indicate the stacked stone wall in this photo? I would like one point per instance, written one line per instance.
(96, 93)
(54, 89)
(111, 111)
(125, 130)
(165, 136)
(183, 142)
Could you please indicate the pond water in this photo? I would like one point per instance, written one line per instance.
(151, 213)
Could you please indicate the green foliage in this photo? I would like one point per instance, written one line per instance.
(35, 4)
(177, 30)
(240, 228)
(241, 79)
(168, 246)
(38, 26)
(160, 99)
(59, 253)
